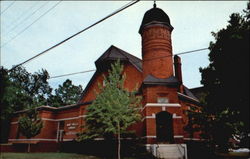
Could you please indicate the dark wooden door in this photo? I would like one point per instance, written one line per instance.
(164, 127)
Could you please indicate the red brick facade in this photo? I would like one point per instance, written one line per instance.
(153, 76)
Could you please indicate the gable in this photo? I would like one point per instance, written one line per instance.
(133, 79)
(132, 69)
(113, 53)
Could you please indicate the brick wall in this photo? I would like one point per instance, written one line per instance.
(157, 51)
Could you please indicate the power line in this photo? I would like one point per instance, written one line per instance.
(69, 74)
(21, 15)
(8, 7)
(54, 46)
(31, 24)
(27, 17)
(181, 53)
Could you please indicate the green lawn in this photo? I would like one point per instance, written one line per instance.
(47, 156)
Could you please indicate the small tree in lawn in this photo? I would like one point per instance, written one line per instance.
(30, 125)
(114, 110)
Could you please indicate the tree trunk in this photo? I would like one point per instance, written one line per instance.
(119, 142)
(28, 147)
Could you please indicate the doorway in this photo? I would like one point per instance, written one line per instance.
(164, 127)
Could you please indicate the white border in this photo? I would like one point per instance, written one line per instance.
(187, 97)
(153, 117)
(63, 119)
(175, 136)
(194, 139)
(178, 136)
(161, 105)
(38, 139)
(149, 137)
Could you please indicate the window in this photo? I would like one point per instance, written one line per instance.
(162, 100)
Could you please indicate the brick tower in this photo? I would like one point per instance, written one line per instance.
(156, 31)
(161, 109)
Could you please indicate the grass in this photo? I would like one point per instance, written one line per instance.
(234, 155)
(47, 156)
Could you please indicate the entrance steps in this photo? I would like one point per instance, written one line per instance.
(169, 151)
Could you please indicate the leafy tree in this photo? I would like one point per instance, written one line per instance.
(30, 125)
(114, 110)
(66, 94)
(226, 80)
(6, 96)
(31, 89)
(20, 89)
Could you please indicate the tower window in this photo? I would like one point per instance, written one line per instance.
(162, 100)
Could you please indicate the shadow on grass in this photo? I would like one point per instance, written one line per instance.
(45, 156)
(107, 149)
(199, 150)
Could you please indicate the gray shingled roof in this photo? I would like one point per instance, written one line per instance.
(189, 93)
(155, 16)
(114, 53)
(150, 79)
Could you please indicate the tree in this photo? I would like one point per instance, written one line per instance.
(226, 80)
(66, 94)
(6, 96)
(29, 124)
(19, 90)
(114, 110)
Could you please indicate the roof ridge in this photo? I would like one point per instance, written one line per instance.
(126, 53)
(122, 52)
(113, 53)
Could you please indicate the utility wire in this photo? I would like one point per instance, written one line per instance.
(69, 74)
(54, 46)
(181, 53)
(7, 7)
(186, 52)
(27, 17)
(21, 15)
(31, 24)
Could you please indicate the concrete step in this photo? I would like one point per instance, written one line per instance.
(169, 151)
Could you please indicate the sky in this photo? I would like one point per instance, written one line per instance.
(193, 22)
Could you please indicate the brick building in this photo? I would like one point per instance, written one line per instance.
(159, 77)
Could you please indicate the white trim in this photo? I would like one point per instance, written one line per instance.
(48, 119)
(161, 105)
(187, 97)
(57, 132)
(81, 116)
(68, 139)
(149, 137)
(175, 136)
(153, 117)
(176, 117)
(148, 117)
(178, 136)
(32, 139)
(194, 139)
